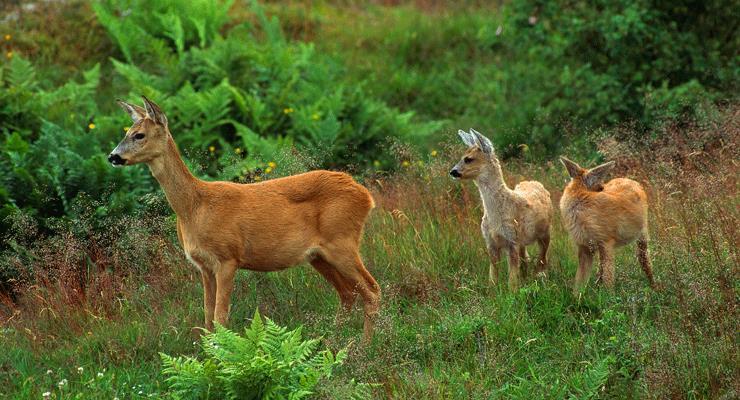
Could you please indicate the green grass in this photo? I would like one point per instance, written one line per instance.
(444, 331)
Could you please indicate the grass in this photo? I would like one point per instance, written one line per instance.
(444, 331)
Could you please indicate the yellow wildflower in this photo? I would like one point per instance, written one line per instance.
(268, 170)
(288, 110)
(9, 55)
(91, 126)
(272, 164)
(238, 150)
(405, 163)
(126, 128)
(376, 163)
(8, 37)
(434, 153)
(212, 148)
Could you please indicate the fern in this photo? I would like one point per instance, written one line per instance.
(589, 384)
(267, 362)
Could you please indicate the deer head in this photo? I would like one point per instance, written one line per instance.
(146, 139)
(477, 157)
(592, 178)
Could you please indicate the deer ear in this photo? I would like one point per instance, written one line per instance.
(574, 170)
(595, 176)
(154, 112)
(483, 142)
(135, 112)
(467, 138)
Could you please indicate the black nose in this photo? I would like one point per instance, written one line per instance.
(455, 173)
(115, 159)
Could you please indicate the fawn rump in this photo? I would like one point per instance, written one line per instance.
(602, 216)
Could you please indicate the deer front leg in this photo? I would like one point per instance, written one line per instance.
(209, 296)
(513, 267)
(224, 286)
(494, 253)
(585, 261)
(606, 263)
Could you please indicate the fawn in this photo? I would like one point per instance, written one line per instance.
(512, 219)
(601, 217)
(268, 226)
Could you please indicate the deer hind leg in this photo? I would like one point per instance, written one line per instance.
(513, 267)
(606, 263)
(585, 261)
(225, 273)
(347, 295)
(644, 258)
(346, 260)
(544, 244)
(209, 296)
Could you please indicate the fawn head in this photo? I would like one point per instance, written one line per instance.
(592, 178)
(477, 157)
(147, 137)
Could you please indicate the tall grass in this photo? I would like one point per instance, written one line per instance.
(110, 303)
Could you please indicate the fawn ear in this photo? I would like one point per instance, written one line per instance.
(574, 170)
(154, 112)
(595, 176)
(483, 142)
(467, 138)
(135, 112)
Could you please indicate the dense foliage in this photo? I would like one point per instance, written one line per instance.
(544, 73)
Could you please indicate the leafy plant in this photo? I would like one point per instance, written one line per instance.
(266, 362)
(249, 91)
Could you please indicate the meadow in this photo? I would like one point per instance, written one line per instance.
(94, 285)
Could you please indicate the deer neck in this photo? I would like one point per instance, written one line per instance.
(178, 183)
(493, 190)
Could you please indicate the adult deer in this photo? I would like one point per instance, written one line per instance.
(602, 216)
(512, 219)
(269, 226)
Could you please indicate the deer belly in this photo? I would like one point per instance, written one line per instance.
(274, 256)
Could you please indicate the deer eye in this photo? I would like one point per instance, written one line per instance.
(467, 160)
(139, 136)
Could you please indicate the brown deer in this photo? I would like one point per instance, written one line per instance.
(602, 216)
(268, 226)
(512, 219)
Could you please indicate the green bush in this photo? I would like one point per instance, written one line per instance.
(259, 95)
(267, 362)
(541, 73)
(53, 150)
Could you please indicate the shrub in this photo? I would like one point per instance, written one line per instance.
(53, 152)
(240, 91)
(267, 362)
